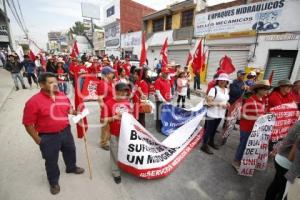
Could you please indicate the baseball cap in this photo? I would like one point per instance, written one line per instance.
(106, 70)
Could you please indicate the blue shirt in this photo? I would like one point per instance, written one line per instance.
(29, 66)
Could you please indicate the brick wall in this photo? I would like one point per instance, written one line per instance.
(131, 14)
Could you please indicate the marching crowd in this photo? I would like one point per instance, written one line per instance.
(122, 87)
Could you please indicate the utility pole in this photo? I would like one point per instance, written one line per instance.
(8, 25)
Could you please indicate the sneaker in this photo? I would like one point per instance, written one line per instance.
(78, 170)
(236, 165)
(54, 189)
(206, 149)
(106, 148)
(117, 179)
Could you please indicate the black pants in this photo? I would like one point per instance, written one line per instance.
(210, 129)
(277, 187)
(197, 82)
(50, 146)
(189, 93)
(158, 120)
(31, 76)
(142, 119)
(179, 99)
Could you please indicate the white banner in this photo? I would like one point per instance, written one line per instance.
(144, 156)
(256, 152)
(266, 16)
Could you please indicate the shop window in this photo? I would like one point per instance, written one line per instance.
(187, 18)
(158, 25)
(169, 22)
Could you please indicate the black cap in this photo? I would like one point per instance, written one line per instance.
(122, 86)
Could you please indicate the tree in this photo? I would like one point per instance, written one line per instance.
(78, 28)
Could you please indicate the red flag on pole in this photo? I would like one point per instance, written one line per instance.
(189, 59)
(143, 56)
(197, 59)
(271, 77)
(203, 61)
(164, 54)
(34, 50)
(226, 65)
(75, 51)
(79, 107)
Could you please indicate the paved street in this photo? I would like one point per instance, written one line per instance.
(199, 177)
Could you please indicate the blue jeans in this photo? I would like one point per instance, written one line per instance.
(15, 77)
(242, 146)
(63, 87)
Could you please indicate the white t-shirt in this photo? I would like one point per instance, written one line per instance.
(182, 91)
(221, 98)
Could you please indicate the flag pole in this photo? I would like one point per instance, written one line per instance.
(86, 149)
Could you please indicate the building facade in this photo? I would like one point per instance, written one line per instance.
(255, 34)
(120, 17)
(176, 23)
(5, 37)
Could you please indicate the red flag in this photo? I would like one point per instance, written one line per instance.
(203, 61)
(143, 56)
(31, 55)
(226, 65)
(75, 51)
(271, 77)
(34, 50)
(164, 54)
(189, 59)
(79, 107)
(197, 59)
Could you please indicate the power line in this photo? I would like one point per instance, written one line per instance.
(22, 15)
(16, 15)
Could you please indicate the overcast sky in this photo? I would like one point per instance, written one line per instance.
(42, 16)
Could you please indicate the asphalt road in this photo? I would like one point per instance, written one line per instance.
(199, 177)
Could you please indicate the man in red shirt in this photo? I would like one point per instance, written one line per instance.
(46, 121)
(252, 109)
(105, 91)
(281, 94)
(162, 94)
(111, 114)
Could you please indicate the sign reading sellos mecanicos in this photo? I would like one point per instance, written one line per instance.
(256, 152)
(144, 156)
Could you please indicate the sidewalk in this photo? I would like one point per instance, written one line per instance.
(6, 85)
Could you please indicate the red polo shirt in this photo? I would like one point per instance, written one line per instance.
(106, 89)
(251, 107)
(164, 86)
(112, 108)
(277, 99)
(47, 115)
(296, 97)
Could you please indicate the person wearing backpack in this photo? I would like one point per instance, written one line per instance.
(217, 101)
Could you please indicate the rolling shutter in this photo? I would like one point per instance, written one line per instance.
(239, 60)
(282, 67)
(179, 56)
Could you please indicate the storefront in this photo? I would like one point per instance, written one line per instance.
(131, 45)
(265, 37)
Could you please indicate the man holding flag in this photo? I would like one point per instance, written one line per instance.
(46, 120)
(197, 64)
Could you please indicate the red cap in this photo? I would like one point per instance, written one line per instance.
(165, 70)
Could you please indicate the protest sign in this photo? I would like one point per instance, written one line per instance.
(256, 152)
(286, 116)
(173, 117)
(231, 118)
(144, 156)
(89, 89)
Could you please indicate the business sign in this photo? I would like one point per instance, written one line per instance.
(90, 10)
(266, 16)
(131, 39)
(3, 31)
(144, 156)
(256, 152)
(112, 35)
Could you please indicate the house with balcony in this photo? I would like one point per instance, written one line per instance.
(176, 22)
